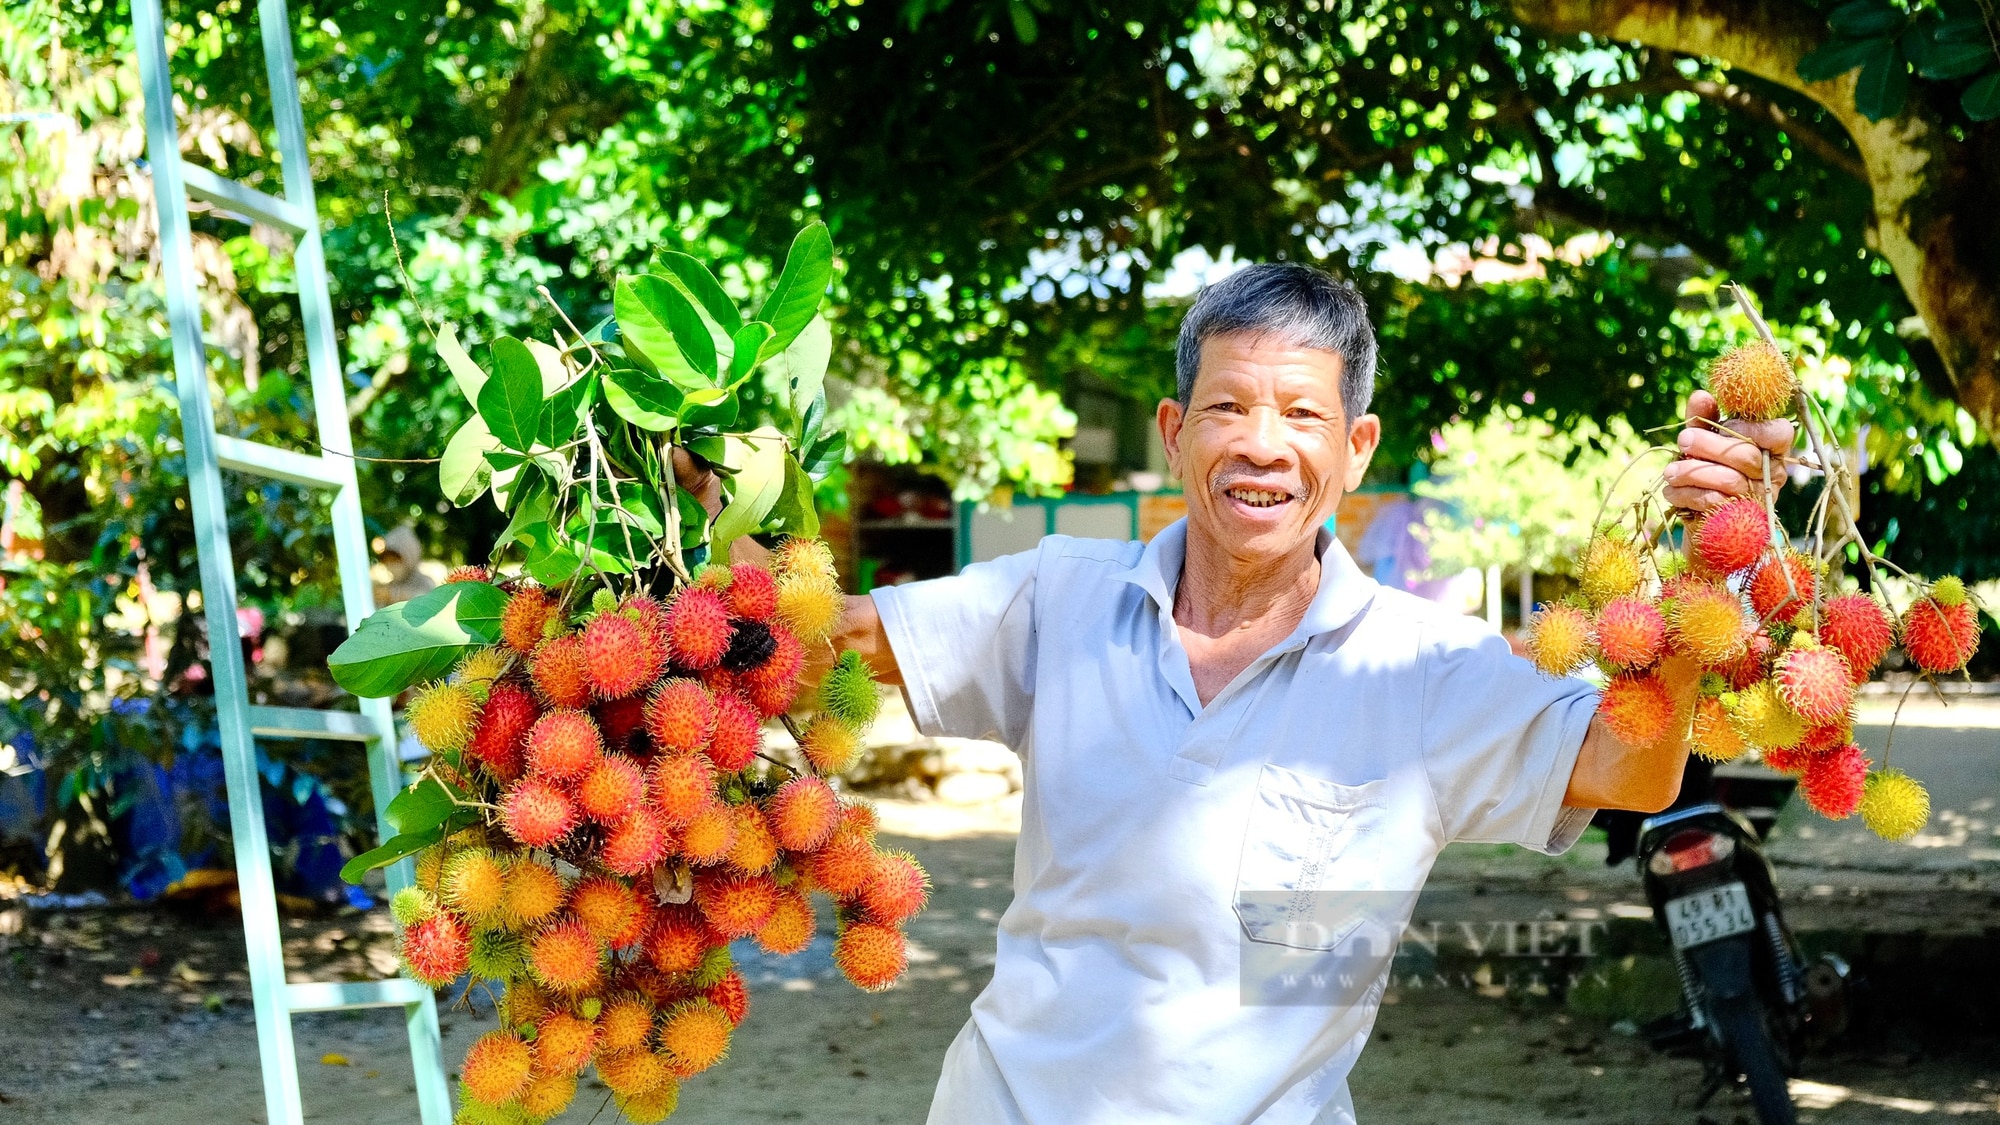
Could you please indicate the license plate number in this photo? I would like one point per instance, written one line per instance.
(1714, 913)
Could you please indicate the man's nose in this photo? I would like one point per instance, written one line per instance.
(1263, 440)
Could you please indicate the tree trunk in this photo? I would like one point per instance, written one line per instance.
(1935, 223)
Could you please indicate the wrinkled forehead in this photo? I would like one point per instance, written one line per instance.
(1270, 360)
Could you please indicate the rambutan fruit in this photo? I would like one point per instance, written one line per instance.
(497, 1067)
(680, 717)
(1895, 805)
(871, 955)
(1941, 635)
(625, 1024)
(718, 680)
(496, 955)
(1712, 736)
(1753, 665)
(523, 1004)
(847, 691)
(716, 961)
(791, 925)
(708, 835)
(695, 1036)
(803, 813)
(616, 655)
(810, 606)
(771, 696)
(441, 715)
(536, 813)
(525, 618)
(842, 865)
(750, 645)
(412, 905)
(1814, 680)
(681, 785)
(651, 618)
(1708, 623)
(731, 995)
(753, 593)
(1636, 709)
(661, 990)
(1770, 595)
(436, 949)
(755, 851)
(1611, 568)
(618, 720)
(698, 628)
(1764, 720)
(474, 884)
(534, 893)
(1630, 632)
(1821, 737)
(714, 576)
(635, 843)
(607, 907)
(563, 746)
(677, 940)
(735, 906)
(547, 1095)
(566, 958)
(481, 667)
(831, 745)
(430, 867)
(809, 557)
(634, 1072)
(1833, 782)
(564, 1043)
(561, 672)
(465, 574)
(651, 1107)
(857, 815)
(738, 733)
(1753, 382)
(898, 889)
(1733, 536)
(1560, 639)
(1859, 628)
(611, 790)
(498, 737)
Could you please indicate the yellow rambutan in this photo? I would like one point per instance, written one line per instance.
(843, 864)
(524, 1004)
(651, 1107)
(474, 884)
(804, 812)
(547, 1095)
(810, 606)
(564, 1043)
(1763, 719)
(1611, 568)
(810, 557)
(441, 715)
(735, 905)
(535, 891)
(482, 666)
(755, 851)
(611, 790)
(497, 1067)
(561, 672)
(709, 835)
(1713, 736)
(566, 958)
(1559, 639)
(829, 744)
(791, 925)
(871, 955)
(1753, 382)
(1894, 805)
(1709, 623)
(678, 939)
(607, 907)
(695, 1036)
(631, 1073)
(625, 1024)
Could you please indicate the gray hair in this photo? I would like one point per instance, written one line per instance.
(1297, 304)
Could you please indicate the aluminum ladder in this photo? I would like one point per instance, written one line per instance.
(174, 182)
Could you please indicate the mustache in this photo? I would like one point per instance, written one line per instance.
(1250, 478)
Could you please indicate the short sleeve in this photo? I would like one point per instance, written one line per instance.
(1499, 741)
(966, 648)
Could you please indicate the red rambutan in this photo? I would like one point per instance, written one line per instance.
(652, 620)
(616, 655)
(753, 593)
(871, 955)
(1771, 597)
(738, 734)
(563, 746)
(561, 672)
(1630, 631)
(497, 739)
(611, 790)
(525, 617)
(634, 844)
(698, 628)
(803, 813)
(680, 717)
(619, 719)
(536, 812)
(731, 995)
(678, 940)
(1814, 681)
(1833, 782)
(1753, 666)
(1941, 636)
(465, 574)
(735, 905)
(1733, 537)
(681, 785)
(1858, 628)
(898, 889)
(1787, 759)
(1637, 709)
(436, 949)
(770, 695)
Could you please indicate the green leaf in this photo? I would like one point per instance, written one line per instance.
(511, 401)
(693, 519)
(551, 559)
(712, 407)
(533, 509)
(468, 374)
(1981, 100)
(662, 322)
(464, 472)
(1864, 19)
(646, 401)
(422, 807)
(417, 640)
(708, 447)
(749, 344)
(643, 505)
(566, 411)
(395, 848)
(825, 455)
(806, 360)
(1023, 19)
(1884, 84)
(1837, 57)
(1945, 61)
(794, 513)
(791, 305)
(812, 419)
(702, 286)
(759, 480)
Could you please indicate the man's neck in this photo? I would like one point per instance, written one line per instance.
(1221, 593)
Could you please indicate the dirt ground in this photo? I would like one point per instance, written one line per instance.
(143, 1015)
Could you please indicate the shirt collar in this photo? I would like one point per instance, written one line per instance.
(1344, 591)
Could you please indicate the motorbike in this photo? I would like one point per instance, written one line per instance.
(1751, 1003)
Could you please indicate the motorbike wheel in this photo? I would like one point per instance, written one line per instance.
(1740, 1023)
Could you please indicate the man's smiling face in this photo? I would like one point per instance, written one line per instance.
(1264, 447)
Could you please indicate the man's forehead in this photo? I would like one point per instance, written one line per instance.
(1243, 357)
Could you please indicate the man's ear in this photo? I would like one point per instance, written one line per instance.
(1362, 438)
(1170, 417)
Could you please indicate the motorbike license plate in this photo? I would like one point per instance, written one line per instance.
(1708, 915)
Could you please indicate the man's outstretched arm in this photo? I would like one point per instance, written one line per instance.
(1718, 463)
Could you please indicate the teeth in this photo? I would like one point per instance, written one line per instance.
(1258, 498)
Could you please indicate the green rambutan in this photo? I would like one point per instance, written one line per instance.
(497, 1067)
(496, 955)
(1560, 640)
(680, 717)
(695, 1035)
(436, 949)
(525, 618)
(1859, 628)
(681, 785)
(698, 628)
(803, 813)
(411, 905)
(537, 813)
(871, 955)
(847, 691)
(635, 843)
(561, 672)
(1637, 709)
(563, 746)
(1895, 805)
(716, 962)
(499, 736)
(738, 733)
(566, 958)
(441, 715)
(616, 655)
(1733, 536)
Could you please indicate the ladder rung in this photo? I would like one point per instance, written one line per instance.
(246, 201)
(330, 996)
(279, 464)
(311, 722)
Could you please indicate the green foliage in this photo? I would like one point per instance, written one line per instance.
(1952, 44)
(419, 639)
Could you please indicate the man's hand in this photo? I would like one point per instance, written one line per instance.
(1721, 462)
(698, 479)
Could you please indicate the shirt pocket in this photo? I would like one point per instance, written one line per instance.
(1311, 866)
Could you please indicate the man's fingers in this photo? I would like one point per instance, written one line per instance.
(1701, 404)
(1725, 449)
(1695, 499)
(1711, 477)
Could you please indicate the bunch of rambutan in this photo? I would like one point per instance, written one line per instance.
(637, 829)
(1778, 655)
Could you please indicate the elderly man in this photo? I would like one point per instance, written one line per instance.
(1241, 754)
